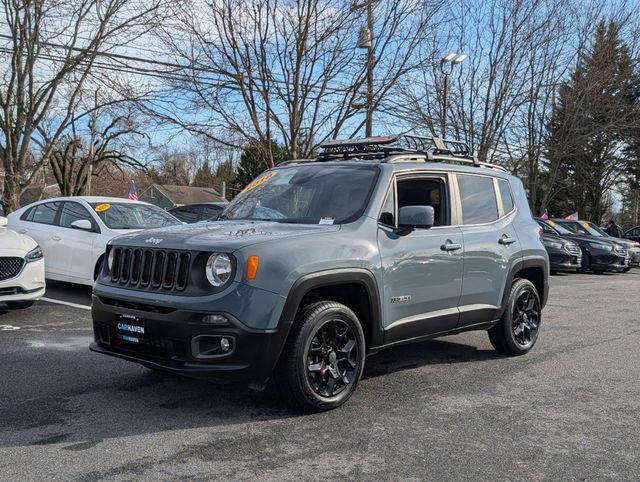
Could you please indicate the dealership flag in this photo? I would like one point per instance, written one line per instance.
(133, 195)
(545, 215)
(573, 217)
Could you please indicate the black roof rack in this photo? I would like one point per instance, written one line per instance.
(384, 147)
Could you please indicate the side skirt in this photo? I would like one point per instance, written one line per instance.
(485, 325)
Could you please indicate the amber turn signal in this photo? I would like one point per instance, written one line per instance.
(252, 267)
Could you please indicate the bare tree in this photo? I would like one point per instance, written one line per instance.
(75, 159)
(48, 54)
(260, 70)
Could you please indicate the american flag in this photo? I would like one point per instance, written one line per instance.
(545, 215)
(133, 195)
(573, 216)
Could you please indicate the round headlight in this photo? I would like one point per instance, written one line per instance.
(218, 269)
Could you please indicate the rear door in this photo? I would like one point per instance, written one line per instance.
(39, 222)
(422, 270)
(491, 245)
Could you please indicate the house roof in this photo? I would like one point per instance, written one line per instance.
(180, 195)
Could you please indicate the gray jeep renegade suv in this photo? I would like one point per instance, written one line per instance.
(318, 263)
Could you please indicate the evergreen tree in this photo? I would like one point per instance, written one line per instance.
(204, 177)
(588, 125)
(254, 160)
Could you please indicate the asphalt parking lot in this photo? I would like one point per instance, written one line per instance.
(446, 409)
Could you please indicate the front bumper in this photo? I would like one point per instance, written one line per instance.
(176, 341)
(561, 260)
(29, 285)
(609, 262)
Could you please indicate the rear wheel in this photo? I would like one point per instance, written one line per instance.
(19, 305)
(323, 358)
(517, 331)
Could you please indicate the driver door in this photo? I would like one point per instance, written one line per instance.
(422, 269)
(75, 247)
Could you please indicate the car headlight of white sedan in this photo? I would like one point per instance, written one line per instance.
(34, 255)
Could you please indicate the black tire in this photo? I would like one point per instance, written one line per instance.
(327, 337)
(626, 270)
(586, 260)
(509, 335)
(19, 305)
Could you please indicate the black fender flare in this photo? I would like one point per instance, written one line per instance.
(527, 262)
(332, 277)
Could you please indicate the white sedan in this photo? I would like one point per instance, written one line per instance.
(21, 269)
(73, 231)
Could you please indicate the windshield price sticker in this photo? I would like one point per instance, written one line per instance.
(259, 181)
(551, 223)
(326, 221)
(102, 207)
(585, 225)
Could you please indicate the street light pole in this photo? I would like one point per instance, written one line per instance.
(446, 67)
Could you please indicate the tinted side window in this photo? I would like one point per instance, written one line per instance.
(73, 212)
(28, 214)
(425, 192)
(478, 197)
(209, 212)
(45, 213)
(188, 214)
(505, 194)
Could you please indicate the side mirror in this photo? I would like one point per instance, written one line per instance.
(3, 221)
(416, 217)
(83, 224)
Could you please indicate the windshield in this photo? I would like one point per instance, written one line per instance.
(133, 216)
(560, 229)
(312, 194)
(597, 230)
(580, 227)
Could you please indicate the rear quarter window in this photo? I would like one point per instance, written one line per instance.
(505, 194)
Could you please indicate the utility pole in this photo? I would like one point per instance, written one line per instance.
(370, 53)
(365, 41)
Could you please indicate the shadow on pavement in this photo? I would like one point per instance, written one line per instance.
(86, 399)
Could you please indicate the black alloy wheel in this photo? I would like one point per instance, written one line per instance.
(526, 318)
(518, 329)
(332, 358)
(323, 358)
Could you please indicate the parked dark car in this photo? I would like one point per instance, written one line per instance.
(632, 247)
(194, 213)
(598, 254)
(633, 234)
(564, 254)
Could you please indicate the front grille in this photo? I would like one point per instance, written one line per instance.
(150, 269)
(10, 267)
(573, 249)
(620, 251)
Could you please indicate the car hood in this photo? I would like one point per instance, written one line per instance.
(221, 235)
(627, 243)
(582, 239)
(15, 243)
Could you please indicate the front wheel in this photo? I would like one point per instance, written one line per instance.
(19, 305)
(323, 358)
(517, 331)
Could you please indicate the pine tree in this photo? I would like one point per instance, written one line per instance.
(204, 177)
(254, 160)
(587, 126)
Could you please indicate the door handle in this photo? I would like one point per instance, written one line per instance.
(506, 240)
(56, 238)
(449, 246)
